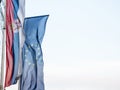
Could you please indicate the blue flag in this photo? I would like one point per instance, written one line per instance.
(32, 68)
(18, 16)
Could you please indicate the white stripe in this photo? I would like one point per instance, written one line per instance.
(21, 11)
(21, 15)
(21, 42)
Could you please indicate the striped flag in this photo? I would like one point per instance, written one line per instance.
(9, 42)
(32, 76)
(14, 22)
(24, 58)
(18, 38)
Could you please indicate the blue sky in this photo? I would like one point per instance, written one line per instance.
(81, 45)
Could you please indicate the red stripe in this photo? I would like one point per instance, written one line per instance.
(9, 42)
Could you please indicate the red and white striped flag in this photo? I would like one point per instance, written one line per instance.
(14, 22)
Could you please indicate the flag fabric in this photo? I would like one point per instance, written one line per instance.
(19, 14)
(24, 58)
(14, 22)
(32, 72)
(9, 42)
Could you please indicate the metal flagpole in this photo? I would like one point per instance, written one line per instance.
(2, 60)
(2, 26)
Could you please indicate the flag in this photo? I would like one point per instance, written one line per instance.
(9, 42)
(19, 14)
(32, 72)
(14, 22)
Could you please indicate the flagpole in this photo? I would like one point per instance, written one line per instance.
(2, 5)
(2, 61)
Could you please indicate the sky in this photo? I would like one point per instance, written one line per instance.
(81, 46)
